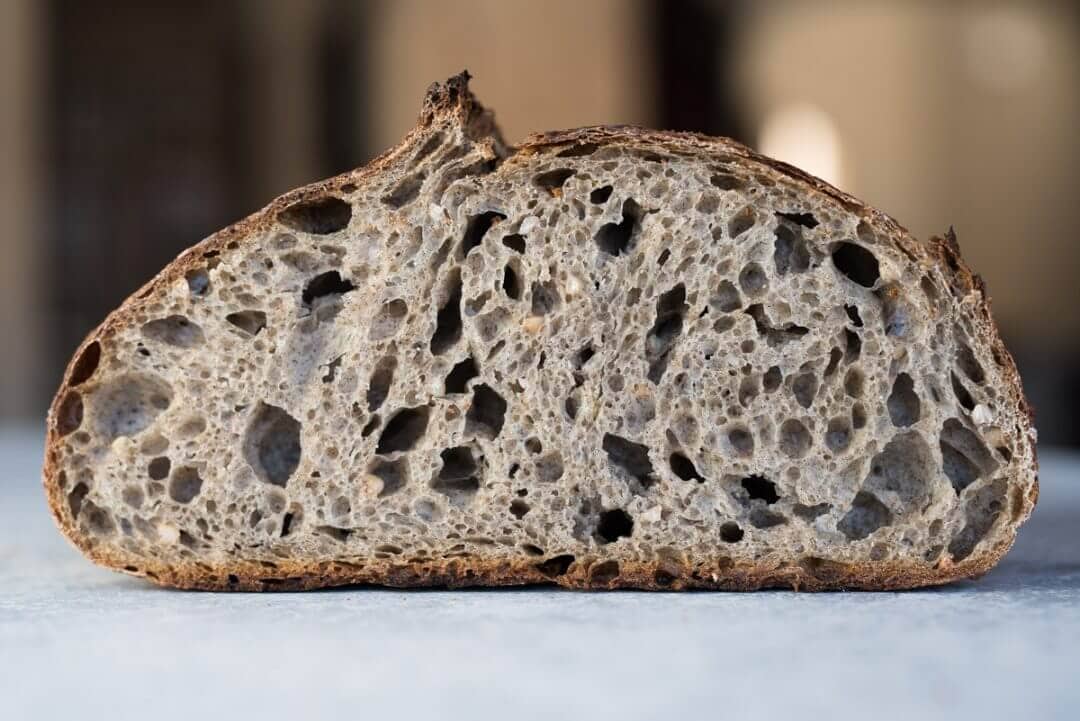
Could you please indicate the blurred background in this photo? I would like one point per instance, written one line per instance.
(130, 130)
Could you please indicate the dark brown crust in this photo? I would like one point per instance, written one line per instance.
(452, 102)
(808, 575)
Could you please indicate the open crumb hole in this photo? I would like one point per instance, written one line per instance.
(272, 444)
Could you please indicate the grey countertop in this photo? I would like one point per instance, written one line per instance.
(80, 642)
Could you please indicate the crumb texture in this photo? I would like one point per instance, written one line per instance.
(571, 361)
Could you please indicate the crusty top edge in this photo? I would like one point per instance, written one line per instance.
(697, 142)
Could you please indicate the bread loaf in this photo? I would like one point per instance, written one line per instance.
(607, 357)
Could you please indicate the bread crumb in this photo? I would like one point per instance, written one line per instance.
(982, 415)
(573, 286)
(533, 324)
(122, 446)
(168, 533)
(438, 213)
(529, 225)
(651, 515)
(371, 485)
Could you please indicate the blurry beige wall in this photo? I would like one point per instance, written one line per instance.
(284, 46)
(21, 331)
(540, 65)
(958, 114)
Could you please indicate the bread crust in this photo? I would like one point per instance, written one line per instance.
(452, 102)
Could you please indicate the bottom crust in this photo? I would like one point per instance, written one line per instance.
(808, 574)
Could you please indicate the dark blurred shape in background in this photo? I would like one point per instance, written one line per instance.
(131, 130)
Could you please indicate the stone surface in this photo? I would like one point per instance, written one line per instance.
(79, 641)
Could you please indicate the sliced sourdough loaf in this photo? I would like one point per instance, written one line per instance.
(607, 357)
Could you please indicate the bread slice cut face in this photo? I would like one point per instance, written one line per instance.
(607, 357)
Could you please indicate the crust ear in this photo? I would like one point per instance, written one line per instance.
(452, 101)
